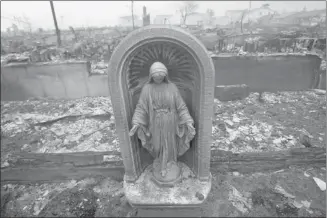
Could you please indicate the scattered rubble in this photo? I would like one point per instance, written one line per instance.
(240, 202)
(68, 199)
(99, 67)
(56, 126)
(87, 124)
(275, 125)
(286, 194)
(321, 184)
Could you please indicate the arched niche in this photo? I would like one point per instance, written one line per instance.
(189, 67)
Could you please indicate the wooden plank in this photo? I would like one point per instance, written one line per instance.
(269, 156)
(260, 166)
(91, 158)
(265, 161)
(66, 166)
(26, 159)
(217, 156)
(54, 174)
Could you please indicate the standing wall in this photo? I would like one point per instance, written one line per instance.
(72, 80)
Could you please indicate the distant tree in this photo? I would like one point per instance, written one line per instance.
(15, 28)
(27, 22)
(40, 30)
(74, 33)
(243, 15)
(211, 15)
(187, 8)
(265, 5)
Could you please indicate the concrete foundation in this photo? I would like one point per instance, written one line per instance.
(72, 80)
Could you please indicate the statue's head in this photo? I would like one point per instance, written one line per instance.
(158, 73)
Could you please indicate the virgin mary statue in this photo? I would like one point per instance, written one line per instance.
(163, 123)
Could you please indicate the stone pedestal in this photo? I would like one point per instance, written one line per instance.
(170, 212)
(146, 193)
(172, 177)
(191, 69)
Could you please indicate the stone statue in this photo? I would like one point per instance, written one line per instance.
(163, 124)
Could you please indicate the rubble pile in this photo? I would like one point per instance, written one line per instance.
(15, 58)
(57, 126)
(292, 192)
(95, 46)
(87, 124)
(276, 124)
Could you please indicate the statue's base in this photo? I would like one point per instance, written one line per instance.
(169, 212)
(173, 175)
(188, 192)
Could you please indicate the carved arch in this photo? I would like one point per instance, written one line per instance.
(124, 88)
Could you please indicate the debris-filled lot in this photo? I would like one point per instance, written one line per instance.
(97, 44)
(276, 121)
(291, 192)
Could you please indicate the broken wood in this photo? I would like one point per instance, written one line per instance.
(264, 161)
(27, 160)
(32, 167)
(56, 174)
(72, 117)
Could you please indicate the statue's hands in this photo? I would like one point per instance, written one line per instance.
(191, 132)
(133, 130)
(147, 134)
(190, 127)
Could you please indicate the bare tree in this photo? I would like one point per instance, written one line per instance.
(187, 8)
(243, 15)
(211, 15)
(74, 33)
(15, 28)
(26, 20)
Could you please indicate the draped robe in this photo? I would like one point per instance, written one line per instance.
(162, 115)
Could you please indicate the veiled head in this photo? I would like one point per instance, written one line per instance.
(158, 73)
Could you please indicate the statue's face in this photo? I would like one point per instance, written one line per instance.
(158, 77)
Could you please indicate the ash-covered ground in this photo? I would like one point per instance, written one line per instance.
(280, 121)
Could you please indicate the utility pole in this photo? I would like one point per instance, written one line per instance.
(133, 14)
(249, 11)
(55, 23)
(249, 19)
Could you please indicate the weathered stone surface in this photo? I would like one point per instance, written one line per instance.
(137, 51)
(144, 192)
(170, 212)
(232, 92)
(163, 123)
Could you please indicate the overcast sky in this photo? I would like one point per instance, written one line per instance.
(106, 13)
